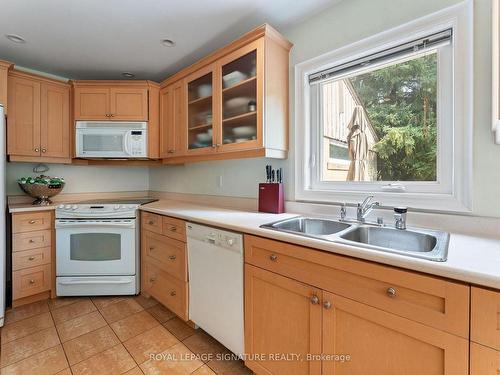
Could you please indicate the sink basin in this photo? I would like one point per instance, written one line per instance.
(309, 226)
(426, 244)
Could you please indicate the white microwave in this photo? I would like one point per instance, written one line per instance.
(106, 139)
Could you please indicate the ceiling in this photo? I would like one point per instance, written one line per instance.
(100, 39)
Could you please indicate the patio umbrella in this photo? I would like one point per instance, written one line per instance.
(357, 142)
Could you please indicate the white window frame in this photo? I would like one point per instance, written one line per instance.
(453, 192)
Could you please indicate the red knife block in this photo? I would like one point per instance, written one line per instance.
(271, 198)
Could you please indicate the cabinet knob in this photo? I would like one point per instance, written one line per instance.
(391, 292)
(31, 240)
(32, 221)
(173, 228)
(171, 151)
(44, 150)
(37, 149)
(314, 299)
(151, 248)
(273, 257)
(172, 257)
(327, 305)
(31, 258)
(32, 281)
(173, 293)
(152, 279)
(151, 222)
(111, 115)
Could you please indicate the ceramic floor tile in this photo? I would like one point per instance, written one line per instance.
(63, 301)
(79, 326)
(26, 311)
(26, 327)
(73, 311)
(65, 372)
(205, 346)
(229, 367)
(179, 328)
(115, 360)
(133, 325)
(90, 344)
(204, 370)
(178, 360)
(102, 302)
(161, 313)
(27, 346)
(145, 302)
(50, 361)
(120, 310)
(154, 341)
(134, 371)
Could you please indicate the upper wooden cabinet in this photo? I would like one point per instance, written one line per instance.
(4, 69)
(234, 102)
(171, 117)
(38, 123)
(111, 100)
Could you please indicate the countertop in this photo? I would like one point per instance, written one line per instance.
(471, 259)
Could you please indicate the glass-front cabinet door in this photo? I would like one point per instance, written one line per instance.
(241, 98)
(200, 111)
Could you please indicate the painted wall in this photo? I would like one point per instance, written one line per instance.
(84, 179)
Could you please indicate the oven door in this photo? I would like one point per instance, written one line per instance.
(96, 247)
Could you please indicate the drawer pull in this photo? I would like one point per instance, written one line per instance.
(173, 229)
(314, 299)
(32, 221)
(151, 222)
(172, 257)
(273, 257)
(32, 281)
(173, 293)
(32, 240)
(151, 248)
(327, 305)
(391, 292)
(152, 279)
(31, 258)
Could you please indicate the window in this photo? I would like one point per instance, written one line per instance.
(388, 116)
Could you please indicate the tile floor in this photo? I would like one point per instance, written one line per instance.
(107, 335)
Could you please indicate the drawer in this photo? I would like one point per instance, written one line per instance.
(429, 300)
(168, 290)
(30, 258)
(151, 222)
(174, 228)
(485, 317)
(31, 281)
(166, 253)
(484, 360)
(31, 221)
(31, 240)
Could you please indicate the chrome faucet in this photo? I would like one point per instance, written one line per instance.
(365, 208)
(400, 217)
(343, 212)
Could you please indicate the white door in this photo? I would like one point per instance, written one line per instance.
(100, 247)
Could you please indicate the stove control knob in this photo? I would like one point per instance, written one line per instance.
(61, 206)
(230, 241)
(67, 207)
(74, 207)
(116, 207)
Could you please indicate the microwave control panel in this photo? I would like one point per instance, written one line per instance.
(137, 143)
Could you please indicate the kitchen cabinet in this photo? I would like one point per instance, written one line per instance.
(38, 124)
(164, 262)
(235, 101)
(485, 317)
(385, 319)
(171, 116)
(4, 70)
(111, 100)
(33, 263)
(484, 360)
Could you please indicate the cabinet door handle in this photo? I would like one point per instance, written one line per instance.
(37, 149)
(391, 292)
(32, 221)
(151, 222)
(171, 151)
(314, 299)
(31, 240)
(173, 293)
(32, 281)
(173, 228)
(172, 257)
(273, 257)
(31, 258)
(151, 248)
(327, 305)
(44, 150)
(112, 115)
(152, 279)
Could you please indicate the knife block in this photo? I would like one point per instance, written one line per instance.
(271, 198)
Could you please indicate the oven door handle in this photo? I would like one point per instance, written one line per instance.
(94, 224)
(83, 282)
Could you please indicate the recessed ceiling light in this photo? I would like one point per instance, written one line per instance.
(128, 75)
(15, 38)
(168, 42)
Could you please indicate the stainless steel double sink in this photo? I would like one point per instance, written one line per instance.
(419, 243)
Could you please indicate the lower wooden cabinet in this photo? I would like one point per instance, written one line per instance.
(282, 316)
(484, 360)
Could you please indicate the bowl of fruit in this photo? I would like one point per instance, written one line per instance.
(41, 187)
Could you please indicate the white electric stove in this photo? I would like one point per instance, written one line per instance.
(97, 247)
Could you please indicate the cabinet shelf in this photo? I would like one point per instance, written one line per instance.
(200, 127)
(200, 100)
(235, 120)
(239, 84)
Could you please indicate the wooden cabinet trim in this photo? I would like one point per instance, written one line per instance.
(136, 110)
(484, 360)
(485, 317)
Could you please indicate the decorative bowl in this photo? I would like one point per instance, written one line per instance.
(41, 188)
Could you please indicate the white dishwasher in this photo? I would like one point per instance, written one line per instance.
(215, 260)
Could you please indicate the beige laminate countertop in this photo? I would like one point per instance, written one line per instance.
(471, 259)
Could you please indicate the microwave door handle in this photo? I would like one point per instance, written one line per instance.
(126, 140)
